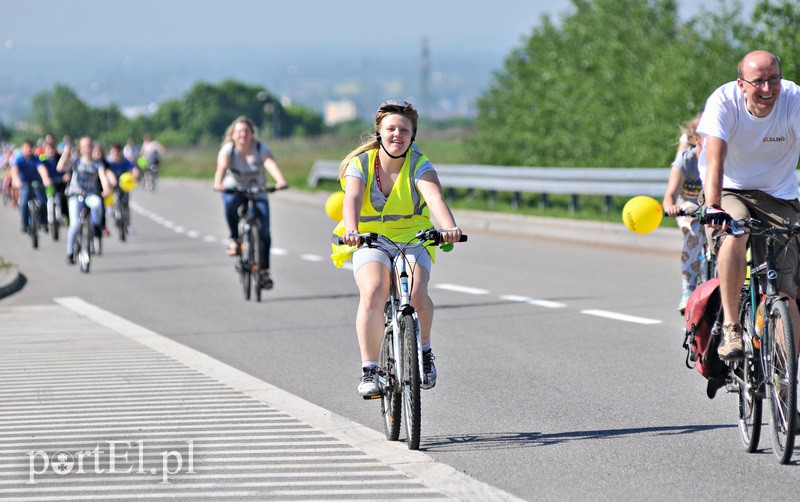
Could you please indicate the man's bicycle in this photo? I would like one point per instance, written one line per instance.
(768, 369)
(249, 264)
(34, 213)
(400, 371)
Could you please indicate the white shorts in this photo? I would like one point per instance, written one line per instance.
(414, 254)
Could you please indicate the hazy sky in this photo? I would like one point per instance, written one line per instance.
(138, 52)
(493, 26)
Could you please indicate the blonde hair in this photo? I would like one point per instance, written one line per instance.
(371, 143)
(689, 128)
(228, 136)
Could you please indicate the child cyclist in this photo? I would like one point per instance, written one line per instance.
(390, 188)
(683, 189)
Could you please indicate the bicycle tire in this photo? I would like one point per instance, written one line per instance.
(119, 218)
(782, 375)
(85, 252)
(412, 406)
(750, 403)
(33, 224)
(391, 397)
(244, 265)
(255, 277)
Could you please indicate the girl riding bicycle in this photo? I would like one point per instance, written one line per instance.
(389, 188)
(242, 162)
(683, 189)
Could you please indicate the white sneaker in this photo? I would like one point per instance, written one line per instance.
(368, 387)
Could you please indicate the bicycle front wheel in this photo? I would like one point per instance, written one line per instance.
(391, 398)
(33, 225)
(84, 255)
(411, 381)
(255, 259)
(245, 265)
(782, 375)
(747, 388)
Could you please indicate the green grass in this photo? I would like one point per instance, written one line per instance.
(296, 156)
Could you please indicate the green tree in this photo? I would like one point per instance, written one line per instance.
(778, 23)
(607, 86)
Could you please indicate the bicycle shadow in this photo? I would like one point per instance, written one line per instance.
(514, 440)
(156, 268)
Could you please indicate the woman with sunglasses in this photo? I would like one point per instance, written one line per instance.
(390, 188)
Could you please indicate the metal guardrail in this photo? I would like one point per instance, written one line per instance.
(606, 182)
(601, 181)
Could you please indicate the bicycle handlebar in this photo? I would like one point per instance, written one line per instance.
(431, 234)
(253, 190)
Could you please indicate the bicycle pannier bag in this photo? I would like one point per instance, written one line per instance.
(702, 339)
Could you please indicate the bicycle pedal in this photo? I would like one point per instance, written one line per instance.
(368, 398)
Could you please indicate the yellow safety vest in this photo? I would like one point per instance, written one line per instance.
(404, 214)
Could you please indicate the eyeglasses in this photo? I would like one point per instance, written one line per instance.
(759, 83)
(393, 103)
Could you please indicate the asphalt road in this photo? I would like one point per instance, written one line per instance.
(582, 395)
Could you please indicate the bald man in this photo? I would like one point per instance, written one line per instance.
(750, 128)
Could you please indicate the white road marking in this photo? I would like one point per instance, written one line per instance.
(416, 464)
(278, 251)
(620, 317)
(209, 238)
(193, 234)
(461, 289)
(179, 230)
(311, 257)
(534, 301)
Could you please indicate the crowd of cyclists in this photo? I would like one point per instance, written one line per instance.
(80, 173)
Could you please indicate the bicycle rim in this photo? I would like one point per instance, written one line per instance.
(783, 381)
(391, 398)
(411, 382)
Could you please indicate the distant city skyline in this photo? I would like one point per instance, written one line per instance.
(307, 51)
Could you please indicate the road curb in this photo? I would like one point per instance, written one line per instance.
(9, 281)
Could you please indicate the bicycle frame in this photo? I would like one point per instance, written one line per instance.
(765, 380)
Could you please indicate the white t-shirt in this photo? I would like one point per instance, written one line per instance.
(762, 152)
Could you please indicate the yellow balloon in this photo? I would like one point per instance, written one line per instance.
(333, 206)
(127, 182)
(642, 214)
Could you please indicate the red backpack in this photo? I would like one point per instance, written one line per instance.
(703, 329)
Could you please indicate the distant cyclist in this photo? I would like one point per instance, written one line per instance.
(51, 177)
(151, 150)
(243, 162)
(89, 181)
(117, 165)
(24, 174)
(131, 151)
(389, 187)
